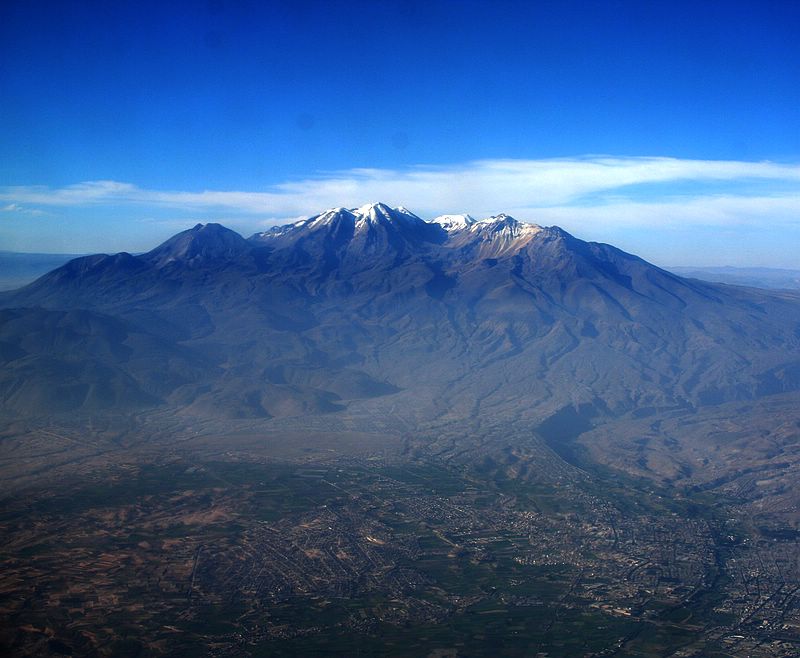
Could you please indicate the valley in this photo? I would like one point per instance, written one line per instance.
(277, 547)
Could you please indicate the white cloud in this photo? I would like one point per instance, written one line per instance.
(567, 191)
(16, 208)
(712, 211)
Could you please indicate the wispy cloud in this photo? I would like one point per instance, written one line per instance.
(712, 211)
(588, 189)
(16, 208)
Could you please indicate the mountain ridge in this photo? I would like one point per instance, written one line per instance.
(484, 318)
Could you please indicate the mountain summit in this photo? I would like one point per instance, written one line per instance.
(373, 227)
(205, 243)
(487, 238)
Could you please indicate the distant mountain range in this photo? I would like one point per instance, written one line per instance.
(756, 277)
(375, 311)
(18, 269)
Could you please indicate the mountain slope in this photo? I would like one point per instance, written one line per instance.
(203, 245)
(56, 361)
(18, 269)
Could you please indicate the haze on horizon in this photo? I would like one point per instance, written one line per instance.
(668, 130)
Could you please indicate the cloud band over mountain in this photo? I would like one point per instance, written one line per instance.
(581, 193)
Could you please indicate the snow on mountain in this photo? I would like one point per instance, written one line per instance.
(405, 211)
(452, 223)
(502, 223)
(361, 218)
(491, 237)
(376, 213)
(505, 226)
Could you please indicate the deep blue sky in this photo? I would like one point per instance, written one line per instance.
(246, 95)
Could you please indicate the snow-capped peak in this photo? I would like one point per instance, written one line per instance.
(499, 233)
(372, 210)
(405, 211)
(453, 222)
(330, 212)
(494, 225)
(490, 237)
(327, 217)
(494, 219)
(506, 224)
(380, 213)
